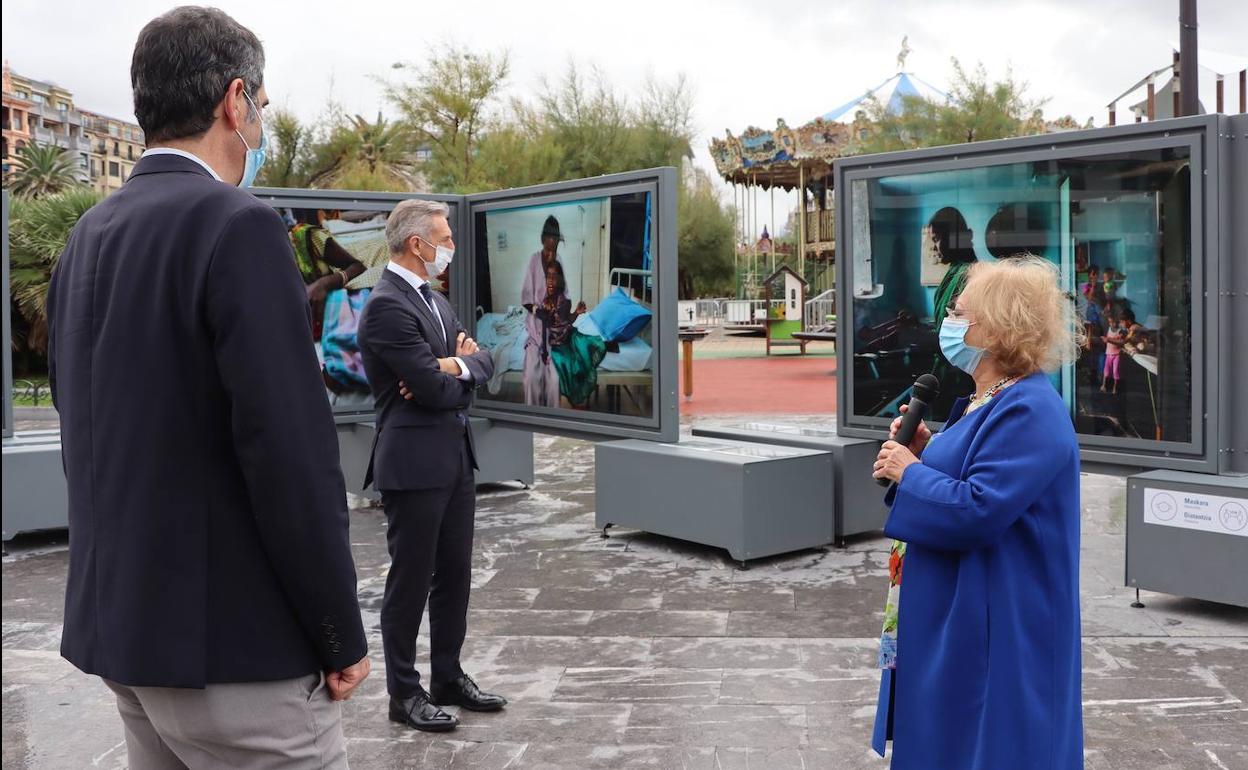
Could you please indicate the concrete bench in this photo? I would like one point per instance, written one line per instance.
(754, 500)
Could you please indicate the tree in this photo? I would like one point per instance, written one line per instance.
(705, 234)
(447, 107)
(43, 169)
(289, 151)
(38, 231)
(977, 110)
(363, 155)
(515, 155)
(588, 122)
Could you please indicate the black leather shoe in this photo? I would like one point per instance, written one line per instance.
(463, 692)
(421, 713)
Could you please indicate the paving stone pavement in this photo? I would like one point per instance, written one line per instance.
(640, 651)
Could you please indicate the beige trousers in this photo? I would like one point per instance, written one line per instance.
(290, 723)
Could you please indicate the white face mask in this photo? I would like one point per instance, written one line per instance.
(441, 261)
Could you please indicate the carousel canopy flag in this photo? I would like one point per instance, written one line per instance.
(786, 157)
(891, 93)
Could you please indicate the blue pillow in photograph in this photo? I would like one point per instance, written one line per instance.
(620, 317)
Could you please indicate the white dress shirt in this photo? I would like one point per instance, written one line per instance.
(415, 281)
(181, 154)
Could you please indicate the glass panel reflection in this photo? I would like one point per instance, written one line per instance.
(1117, 225)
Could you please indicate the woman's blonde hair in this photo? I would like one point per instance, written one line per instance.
(1026, 321)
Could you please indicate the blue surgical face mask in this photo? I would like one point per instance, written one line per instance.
(255, 158)
(953, 345)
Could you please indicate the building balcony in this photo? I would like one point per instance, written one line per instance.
(50, 112)
(43, 136)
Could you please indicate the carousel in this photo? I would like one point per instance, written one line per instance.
(800, 159)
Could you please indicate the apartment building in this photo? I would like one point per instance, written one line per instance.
(16, 121)
(105, 148)
(116, 146)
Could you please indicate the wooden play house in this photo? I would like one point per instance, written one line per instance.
(786, 300)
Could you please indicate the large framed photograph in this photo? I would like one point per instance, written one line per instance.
(338, 244)
(571, 288)
(1117, 218)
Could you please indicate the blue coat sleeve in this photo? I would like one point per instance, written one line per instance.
(1013, 459)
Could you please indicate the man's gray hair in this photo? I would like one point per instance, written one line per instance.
(412, 217)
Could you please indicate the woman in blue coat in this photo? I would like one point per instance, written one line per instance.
(981, 658)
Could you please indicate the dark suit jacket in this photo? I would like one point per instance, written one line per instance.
(418, 440)
(207, 511)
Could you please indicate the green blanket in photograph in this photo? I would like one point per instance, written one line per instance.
(577, 361)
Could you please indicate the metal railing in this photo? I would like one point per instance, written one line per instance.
(743, 312)
(31, 391)
(749, 312)
(709, 312)
(820, 311)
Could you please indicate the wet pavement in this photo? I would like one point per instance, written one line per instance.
(641, 651)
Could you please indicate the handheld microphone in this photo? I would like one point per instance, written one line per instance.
(926, 388)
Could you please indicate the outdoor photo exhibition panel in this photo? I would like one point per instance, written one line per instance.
(573, 291)
(1130, 218)
(570, 286)
(332, 231)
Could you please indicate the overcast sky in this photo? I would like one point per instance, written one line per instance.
(749, 62)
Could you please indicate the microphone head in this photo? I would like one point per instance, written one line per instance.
(926, 388)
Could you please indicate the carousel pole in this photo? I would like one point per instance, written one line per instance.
(772, 192)
(736, 252)
(801, 212)
(749, 238)
(745, 212)
(754, 227)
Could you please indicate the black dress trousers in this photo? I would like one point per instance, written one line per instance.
(430, 543)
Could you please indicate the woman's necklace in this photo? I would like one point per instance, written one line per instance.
(993, 390)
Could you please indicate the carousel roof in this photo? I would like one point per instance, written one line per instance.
(891, 93)
(777, 157)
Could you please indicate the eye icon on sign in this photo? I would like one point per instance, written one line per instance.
(1234, 516)
(1164, 506)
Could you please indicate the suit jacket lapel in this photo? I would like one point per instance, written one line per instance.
(432, 330)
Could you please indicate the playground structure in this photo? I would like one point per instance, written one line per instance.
(784, 317)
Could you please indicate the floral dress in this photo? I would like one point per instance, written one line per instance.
(888, 639)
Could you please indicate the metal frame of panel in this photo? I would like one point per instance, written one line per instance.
(1232, 291)
(1206, 138)
(664, 424)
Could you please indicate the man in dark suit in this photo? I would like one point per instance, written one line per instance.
(211, 582)
(422, 368)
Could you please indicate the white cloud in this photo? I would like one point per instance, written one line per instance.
(749, 62)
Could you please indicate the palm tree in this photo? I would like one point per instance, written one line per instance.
(43, 169)
(38, 230)
(377, 154)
